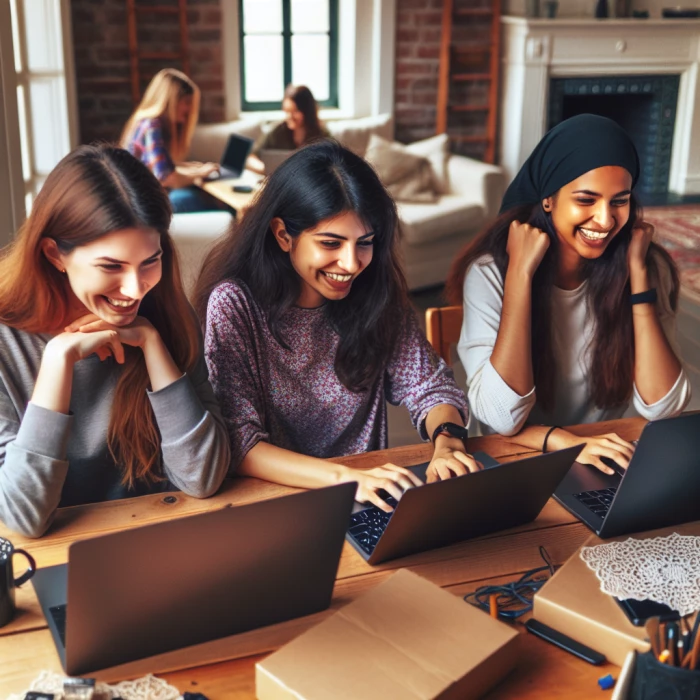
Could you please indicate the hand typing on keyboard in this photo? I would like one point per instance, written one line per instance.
(609, 453)
(448, 462)
(390, 478)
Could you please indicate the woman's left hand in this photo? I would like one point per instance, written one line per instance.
(642, 233)
(136, 334)
(448, 462)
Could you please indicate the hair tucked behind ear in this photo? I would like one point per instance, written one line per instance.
(608, 290)
(93, 191)
(319, 182)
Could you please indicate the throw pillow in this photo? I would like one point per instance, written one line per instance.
(437, 150)
(407, 177)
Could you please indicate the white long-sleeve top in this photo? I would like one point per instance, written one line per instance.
(497, 408)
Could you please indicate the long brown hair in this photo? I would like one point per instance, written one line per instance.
(160, 101)
(316, 183)
(608, 290)
(93, 191)
(306, 103)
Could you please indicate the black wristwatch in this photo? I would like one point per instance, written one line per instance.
(453, 430)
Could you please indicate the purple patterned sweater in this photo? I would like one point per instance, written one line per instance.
(293, 398)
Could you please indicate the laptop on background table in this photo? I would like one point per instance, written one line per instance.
(435, 515)
(660, 488)
(273, 158)
(233, 159)
(153, 589)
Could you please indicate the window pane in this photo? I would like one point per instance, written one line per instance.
(264, 76)
(310, 15)
(49, 122)
(15, 36)
(310, 64)
(262, 16)
(28, 200)
(42, 20)
(23, 133)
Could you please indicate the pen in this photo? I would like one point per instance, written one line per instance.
(664, 656)
(672, 642)
(493, 605)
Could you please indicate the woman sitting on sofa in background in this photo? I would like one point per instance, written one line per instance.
(104, 391)
(159, 133)
(309, 331)
(301, 125)
(569, 307)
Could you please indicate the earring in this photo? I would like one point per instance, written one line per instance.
(63, 270)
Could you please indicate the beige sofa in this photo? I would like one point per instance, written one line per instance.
(432, 232)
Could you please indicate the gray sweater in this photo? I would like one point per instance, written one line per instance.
(49, 459)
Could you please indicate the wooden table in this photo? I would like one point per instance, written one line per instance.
(26, 647)
(223, 190)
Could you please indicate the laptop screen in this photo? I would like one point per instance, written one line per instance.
(237, 150)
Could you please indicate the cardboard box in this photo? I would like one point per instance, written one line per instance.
(572, 603)
(407, 638)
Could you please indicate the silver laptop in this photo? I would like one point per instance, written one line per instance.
(273, 158)
(133, 594)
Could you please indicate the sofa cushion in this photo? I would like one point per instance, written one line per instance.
(422, 223)
(406, 176)
(355, 133)
(437, 150)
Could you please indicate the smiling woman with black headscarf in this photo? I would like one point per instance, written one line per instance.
(569, 307)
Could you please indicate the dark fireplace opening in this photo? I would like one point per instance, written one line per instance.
(644, 105)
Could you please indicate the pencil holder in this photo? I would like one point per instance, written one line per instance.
(654, 680)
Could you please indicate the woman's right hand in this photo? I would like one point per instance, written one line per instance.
(78, 346)
(392, 479)
(610, 446)
(526, 247)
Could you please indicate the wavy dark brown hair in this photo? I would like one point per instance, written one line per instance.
(608, 290)
(316, 183)
(306, 103)
(93, 191)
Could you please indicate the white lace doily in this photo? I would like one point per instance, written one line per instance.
(662, 569)
(146, 688)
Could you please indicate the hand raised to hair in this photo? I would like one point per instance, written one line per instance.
(642, 234)
(526, 247)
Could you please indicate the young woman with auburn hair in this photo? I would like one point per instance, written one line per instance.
(569, 306)
(309, 332)
(159, 133)
(104, 391)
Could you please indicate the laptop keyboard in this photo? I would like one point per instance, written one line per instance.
(58, 613)
(598, 501)
(367, 526)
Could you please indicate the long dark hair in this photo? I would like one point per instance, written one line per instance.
(317, 183)
(608, 290)
(94, 191)
(306, 103)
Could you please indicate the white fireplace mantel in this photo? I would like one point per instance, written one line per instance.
(535, 50)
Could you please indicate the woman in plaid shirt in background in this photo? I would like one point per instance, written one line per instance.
(159, 133)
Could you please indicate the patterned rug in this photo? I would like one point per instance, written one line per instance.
(678, 230)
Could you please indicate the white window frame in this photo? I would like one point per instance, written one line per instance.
(33, 179)
(366, 57)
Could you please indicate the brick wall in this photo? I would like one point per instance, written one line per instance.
(418, 33)
(101, 43)
(418, 30)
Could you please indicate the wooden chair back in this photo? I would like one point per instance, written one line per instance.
(442, 327)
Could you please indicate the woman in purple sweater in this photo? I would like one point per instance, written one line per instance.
(309, 332)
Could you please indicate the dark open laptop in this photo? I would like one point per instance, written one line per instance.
(153, 589)
(661, 486)
(434, 515)
(233, 159)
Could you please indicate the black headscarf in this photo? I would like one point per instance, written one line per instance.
(571, 149)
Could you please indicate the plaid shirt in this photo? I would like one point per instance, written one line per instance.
(148, 145)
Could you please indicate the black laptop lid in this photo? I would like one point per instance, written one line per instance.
(662, 483)
(236, 153)
(149, 590)
(463, 507)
